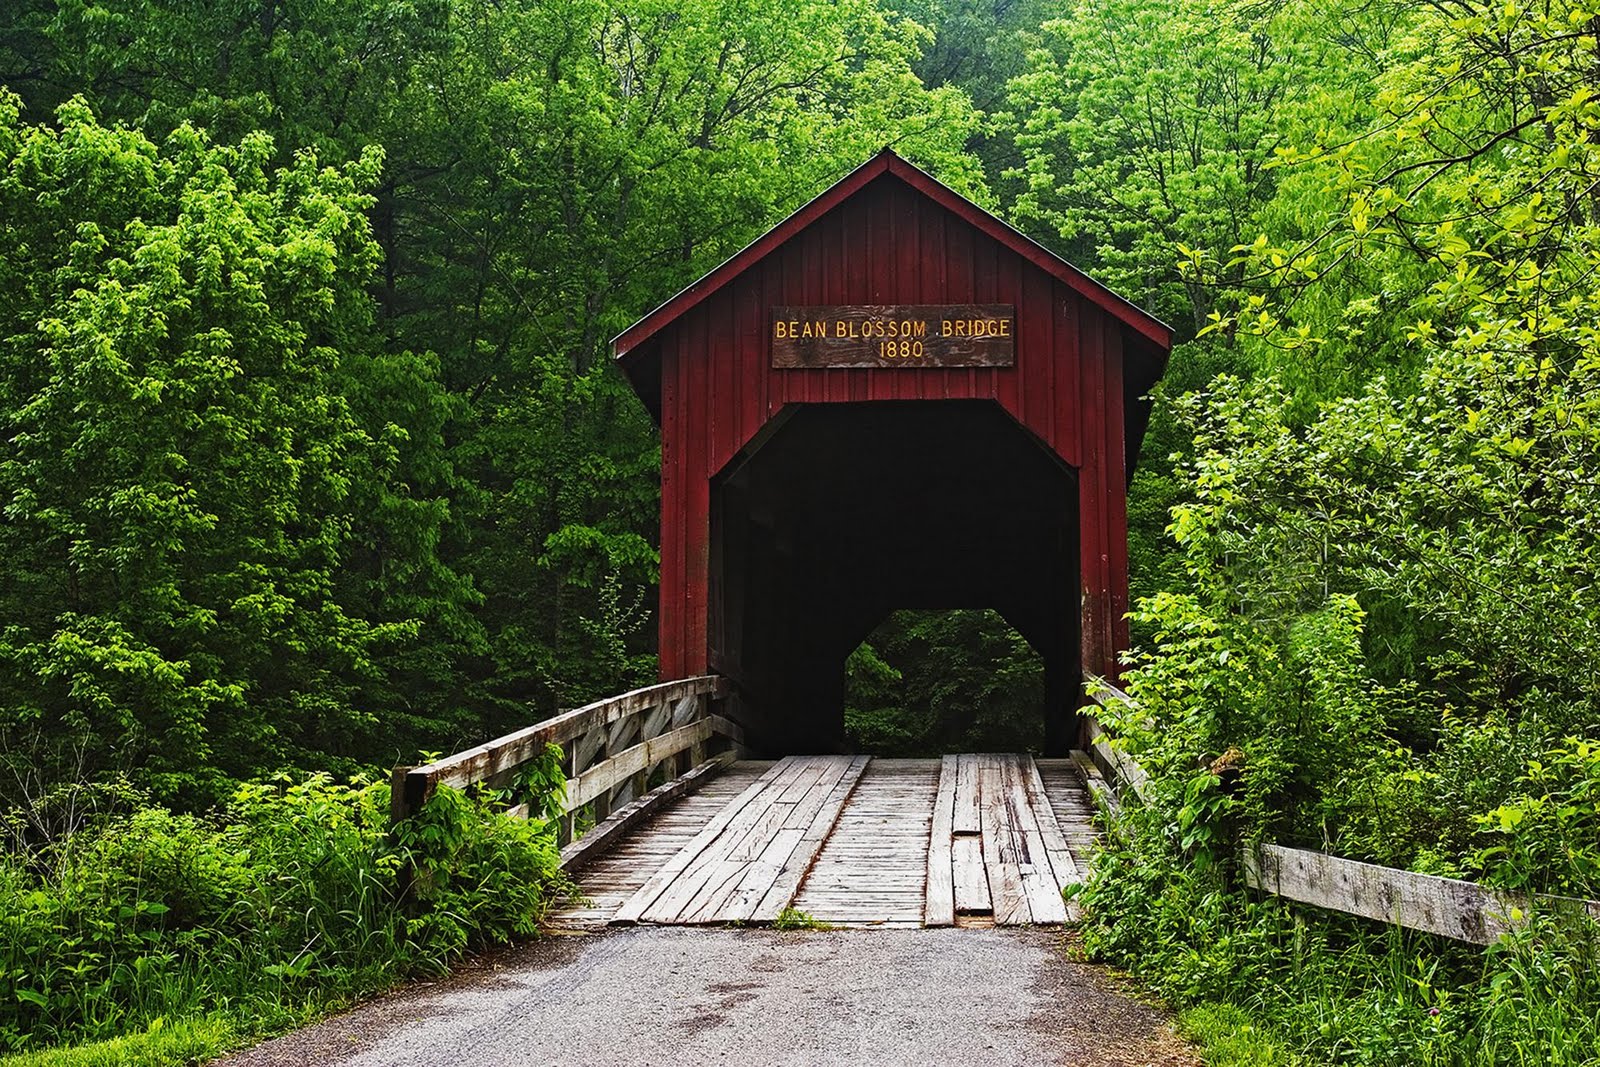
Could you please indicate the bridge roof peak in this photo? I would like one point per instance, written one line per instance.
(1151, 333)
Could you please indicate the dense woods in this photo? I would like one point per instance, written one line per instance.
(314, 460)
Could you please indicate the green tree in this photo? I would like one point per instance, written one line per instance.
(221, 497)
(1147, 128)
(553, 170)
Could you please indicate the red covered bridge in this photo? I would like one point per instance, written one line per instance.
(891, 400)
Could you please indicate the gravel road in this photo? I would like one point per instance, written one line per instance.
(657, 996)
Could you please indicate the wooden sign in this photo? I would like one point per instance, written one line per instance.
(894, 335)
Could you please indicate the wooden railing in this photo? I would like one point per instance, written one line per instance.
(612, 750)
(1450, 907)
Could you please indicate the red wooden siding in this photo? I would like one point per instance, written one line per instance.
(888, 234)
(889, 245)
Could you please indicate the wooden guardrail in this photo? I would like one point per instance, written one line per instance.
(1450, 907)
(611, 751)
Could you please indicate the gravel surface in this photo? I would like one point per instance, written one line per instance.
(654, 996)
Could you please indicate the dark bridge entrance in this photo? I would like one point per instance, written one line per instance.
(890, 400)
(845, 512)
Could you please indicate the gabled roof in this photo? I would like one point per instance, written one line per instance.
(1156, 333)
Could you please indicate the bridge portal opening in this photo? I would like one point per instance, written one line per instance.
(837, 514)
(928, 683)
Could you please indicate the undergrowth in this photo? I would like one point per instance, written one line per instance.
(1345, 672)
(159, 932)
(1262, 981)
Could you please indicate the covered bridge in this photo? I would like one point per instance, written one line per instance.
(890, 400)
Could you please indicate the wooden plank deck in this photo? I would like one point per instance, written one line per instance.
(873, 869)
(762, 842)
(609, 880)
(1074, 811)
(966, 840)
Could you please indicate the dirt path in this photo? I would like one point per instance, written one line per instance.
(654, 996)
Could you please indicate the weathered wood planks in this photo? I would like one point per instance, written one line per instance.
(749, 860)
(1450, 907)
(610, 879)
(872, 870)
(1001, 851)
(939, 908)
(852, 842)
(613, 748)
(620, 822)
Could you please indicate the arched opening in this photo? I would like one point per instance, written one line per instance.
(839, 514)
(925, 683)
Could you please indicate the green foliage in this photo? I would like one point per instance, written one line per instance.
(930, 682)
(1270, 984)
(1550, 826)
(219, 529)
(480, 877)
(284, 902)
(795, 919)
(1146, 127)
(552, 172)
(1382, 646)
(1229, 1038)
(181, 1044)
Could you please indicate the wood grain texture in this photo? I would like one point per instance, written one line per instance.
(797, 863)
(503, 756)
(605, 834)
(610, 773)
(852, 842)
(1040, 886)
(1001, 859)
(748, 861)
(871, 871)
(1073, 807)
(658, 882)
(1463, 911)
(712, 858)
(608, 880)
(939, 909)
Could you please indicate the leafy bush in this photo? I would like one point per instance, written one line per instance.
(288, 898)
(1271, 705)
(224, 499)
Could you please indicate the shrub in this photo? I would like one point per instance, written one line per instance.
(285, 900)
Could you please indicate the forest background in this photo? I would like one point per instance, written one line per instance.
(315, 459)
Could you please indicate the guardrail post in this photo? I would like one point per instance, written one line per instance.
(399, 811)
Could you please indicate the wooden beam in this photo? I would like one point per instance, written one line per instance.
(964, 817)
(606, 834)
(727, 728)
(967, 874)
(1055, 842)
(939, 908)
(1464, 911)
(1095, 782)
(1039, 884)
(1000, 852)
(608, 774)
(505, 754)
